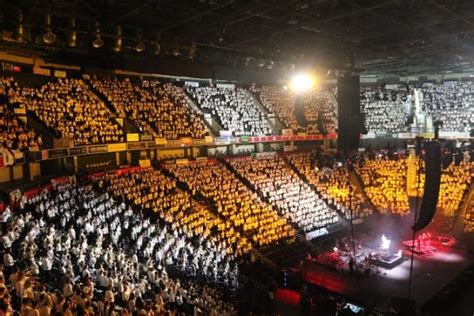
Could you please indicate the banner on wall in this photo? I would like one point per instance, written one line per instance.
(78, 151)
(144, 163)
(41, 71)
(60, 74)
(182, 161)
(186, 141)
(133, 137)
(209, 139)
(160, 141)
(116, 147)
(1, 160)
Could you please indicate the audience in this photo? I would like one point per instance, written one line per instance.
(154, 108)
(234, 109)
(76, 250)
(320, 108)
(386, 110)
(14, 134)
(233, 201)
(153, 191)
(385, 183)
(450, 102)
(332, 182)
(282, 187)
(70, 108)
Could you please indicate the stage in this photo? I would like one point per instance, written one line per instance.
(390, 278)
(431, 273)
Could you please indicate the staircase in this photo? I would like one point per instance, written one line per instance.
(47, 134)
(212, 206)
(357, 182)
(127, 127)
(213, 127)
(305, 180)
(276, 126)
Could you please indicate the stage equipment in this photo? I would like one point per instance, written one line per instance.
(349, 118)
(432, 183)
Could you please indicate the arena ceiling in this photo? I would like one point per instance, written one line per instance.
(376, 36)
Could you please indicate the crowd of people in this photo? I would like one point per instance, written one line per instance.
(333, 182)
(319, 108)
(283, 188)
(450, 102)
(77, 250)
(234, 109)
(157, 193)
(233, 201)
(155, 108)
(385, 183)
(455, 180)
(386, 110)
(73, 111)
(14, 133)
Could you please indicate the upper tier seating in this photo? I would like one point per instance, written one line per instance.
(385, 110)
(451, 102)
(234, 109)
(319, 110)
(70, 108)
(14, 134)
(154, 108)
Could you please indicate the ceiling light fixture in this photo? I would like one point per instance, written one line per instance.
(20, 29)
(72, 41)
(118, 40)
(98, 42)
(49, 37)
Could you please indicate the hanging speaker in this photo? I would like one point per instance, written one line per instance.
(432, 183)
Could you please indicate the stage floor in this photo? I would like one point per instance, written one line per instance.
(430, 275)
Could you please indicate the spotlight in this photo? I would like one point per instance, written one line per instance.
(176, 52)
(140, 47)
(118, 40)
(302, 82)
(285, 88)
(339, 164)
(49, 37)
(72, 41)
(20, 30)
(98, 41)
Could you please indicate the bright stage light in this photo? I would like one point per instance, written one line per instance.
(302, 82)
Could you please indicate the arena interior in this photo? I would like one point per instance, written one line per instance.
(236, 157)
